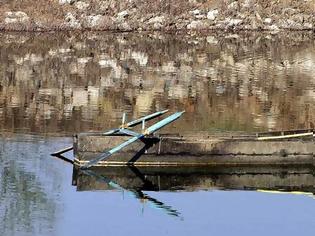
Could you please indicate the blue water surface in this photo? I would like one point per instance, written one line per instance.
(37, 198)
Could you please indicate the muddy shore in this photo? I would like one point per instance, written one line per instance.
(164, 15)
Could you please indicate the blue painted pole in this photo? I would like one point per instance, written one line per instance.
(145, 118)
(135, 122)
(148, 131)
(162, 123)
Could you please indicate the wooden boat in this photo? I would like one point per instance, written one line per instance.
(196, 149)
(123, 146)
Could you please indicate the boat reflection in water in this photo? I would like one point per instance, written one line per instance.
(135, 180)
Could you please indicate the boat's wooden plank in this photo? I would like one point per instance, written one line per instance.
(194, 146)
(204, 160)
(287, 136)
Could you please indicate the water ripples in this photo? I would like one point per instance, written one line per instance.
(249, 82)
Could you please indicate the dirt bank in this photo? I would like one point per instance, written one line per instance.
(162, 15)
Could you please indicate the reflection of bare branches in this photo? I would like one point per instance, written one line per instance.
(23, 197)
(137, 193)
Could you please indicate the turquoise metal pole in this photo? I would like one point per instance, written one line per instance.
(148, 131)
(145, 118)
(136, 122)
(163, 122)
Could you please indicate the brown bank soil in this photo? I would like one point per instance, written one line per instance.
(152, 15)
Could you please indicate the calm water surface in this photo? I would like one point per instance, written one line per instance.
(37, 198)
(59, 83)
(56, 85)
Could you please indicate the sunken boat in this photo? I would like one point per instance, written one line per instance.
(123, 147)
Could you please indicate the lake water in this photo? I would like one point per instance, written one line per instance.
(66, 83)
(37, 197)
(54, 85)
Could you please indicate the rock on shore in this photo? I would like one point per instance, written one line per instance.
(164, 15)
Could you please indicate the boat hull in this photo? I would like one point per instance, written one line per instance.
(191, 150)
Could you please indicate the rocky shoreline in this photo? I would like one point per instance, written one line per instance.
(164, 15)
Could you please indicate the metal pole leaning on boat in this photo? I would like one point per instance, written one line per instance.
(123, 126)
(162, 123)
(135, 122)
(136, 136)
(145, 118)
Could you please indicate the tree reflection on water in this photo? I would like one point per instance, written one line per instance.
(28, 189)
(69, 83)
